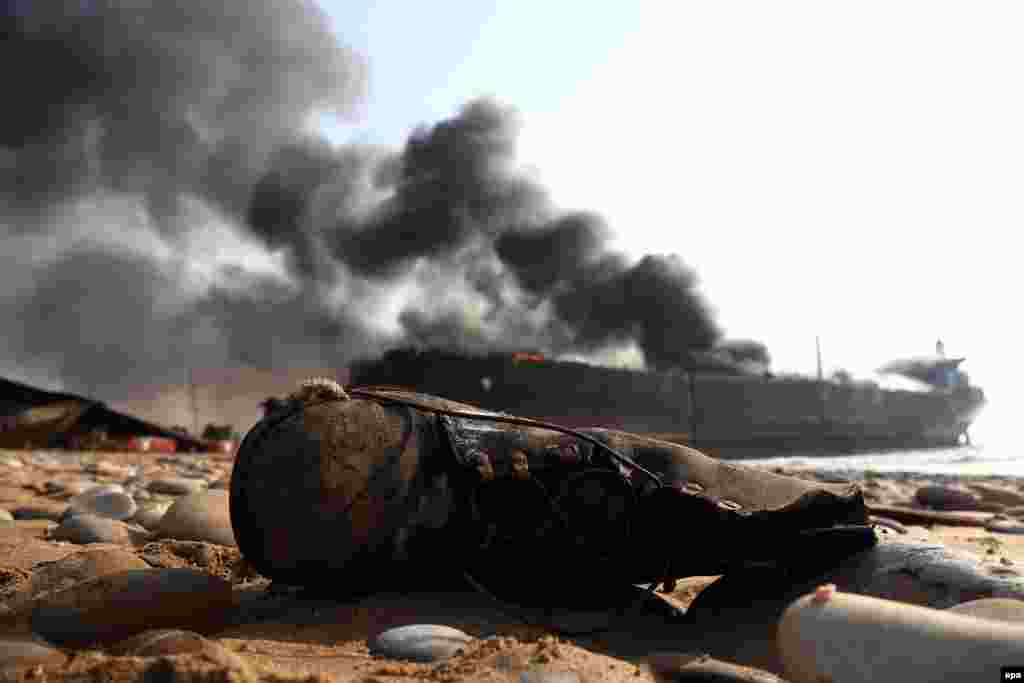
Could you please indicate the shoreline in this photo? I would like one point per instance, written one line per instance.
(232, 621)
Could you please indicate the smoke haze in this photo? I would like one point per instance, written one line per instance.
(143, 128)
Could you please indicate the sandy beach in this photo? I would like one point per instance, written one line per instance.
(116, 566)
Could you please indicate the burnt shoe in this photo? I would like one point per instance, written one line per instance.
(378, 487)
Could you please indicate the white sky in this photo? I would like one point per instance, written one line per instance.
(848, 170)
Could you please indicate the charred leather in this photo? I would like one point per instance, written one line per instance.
(518, 507)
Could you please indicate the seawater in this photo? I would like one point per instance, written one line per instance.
(996, 451)
(964, 461)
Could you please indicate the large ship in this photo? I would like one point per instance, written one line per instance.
(723, 410)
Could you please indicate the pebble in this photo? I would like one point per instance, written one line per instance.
(110, 504)
(1005, 526)
(670, 666)
(998, 494)
(52, 487)
(45, 460)
(999, 609)
(925, 574)
(541, 676)
(82, 566)
(11, 461)
(149, 514)
(110, 469)
(179, 486)
(158, 642)
(40, 509)
(6, 516)
(419, 642)
(88, 528)
(201, 516)
(169, 642)
(100, 489)
(737, 615)
(113, 607)
(947, 498)
(917, 516)
(20, 654)
(77, 487)
(839, 641)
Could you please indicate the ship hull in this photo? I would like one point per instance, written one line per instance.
(727, 416)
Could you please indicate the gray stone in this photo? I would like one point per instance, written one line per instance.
(419, 642)
(149, 514)
(544, 676)
(735, 618)
(110, 504)
(53, 487)
(926, 574)
(201, 516)
(40, 509)
(113, 607)
(83, 566)
(918, 516)
(44, 459)
(844, 637)
(95, 489)
(170, 642)
(672, 666)
(1015, 511)
(1005, 526)
(999, 609)
(947, 498)
(110, 469)
(996, 493)
(179, 486)
(908, 571)
(86, 528)
(160, 642)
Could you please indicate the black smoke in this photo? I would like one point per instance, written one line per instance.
(163, 107)
(745, 351)
(152, 97)
(604, 300)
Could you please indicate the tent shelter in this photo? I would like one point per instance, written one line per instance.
(35, 418)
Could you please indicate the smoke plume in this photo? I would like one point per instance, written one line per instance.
(138, 134)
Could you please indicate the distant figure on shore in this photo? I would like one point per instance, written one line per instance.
(940, 349)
